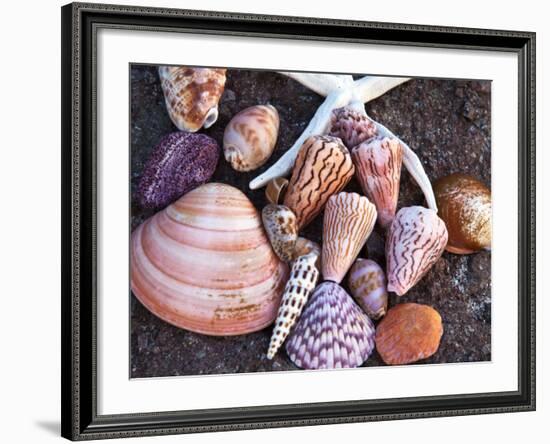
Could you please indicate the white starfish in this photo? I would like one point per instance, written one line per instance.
(340, 91)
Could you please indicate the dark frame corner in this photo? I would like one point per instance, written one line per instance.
(79, 414)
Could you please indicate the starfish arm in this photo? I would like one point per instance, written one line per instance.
(369, 88)
(322, 84)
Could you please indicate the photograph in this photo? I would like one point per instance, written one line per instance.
(306, 221)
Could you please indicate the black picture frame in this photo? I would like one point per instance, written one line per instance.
(78, 334)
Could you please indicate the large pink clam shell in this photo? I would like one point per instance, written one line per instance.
(205, 264)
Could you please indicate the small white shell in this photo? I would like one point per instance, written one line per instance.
(367, 284)
(250, 137)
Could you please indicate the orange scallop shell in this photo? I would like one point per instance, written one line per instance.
(205, 264)
(409, 332)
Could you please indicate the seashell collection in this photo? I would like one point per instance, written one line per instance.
(211, 262)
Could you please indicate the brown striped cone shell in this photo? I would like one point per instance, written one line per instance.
(408, 333)
(192, 95)
(332, 332)
(305, 246)
(367, 284)
(323, 167)
(280, 226)
(275, 190)
(205, 264)
(416, 240)
(302, 281)
(464, 204)
(250, 137)
(349, 220)
(378, 170)
(352, 126)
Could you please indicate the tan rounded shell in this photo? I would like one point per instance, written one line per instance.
(280, 226)
(205, 264)
(192, 95)
(464, 204)
(409, 332)
(250, 137)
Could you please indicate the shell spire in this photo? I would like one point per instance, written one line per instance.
(332, 332)
(416, 240)
(378, 169)
(302, 281)
(349, 220)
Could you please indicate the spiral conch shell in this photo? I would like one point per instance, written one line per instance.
(332, 332)
(302, 281)
(280, 226)
(323, 167)
(349, 220)
(192, 95)
(464, 204)
(416, 240)
(250, 137)
(205, 264)
(367, 284)
(378, 169)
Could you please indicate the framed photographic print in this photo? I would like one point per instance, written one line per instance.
(277, 221)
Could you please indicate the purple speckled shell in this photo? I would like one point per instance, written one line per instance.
(333, 332)
(179, 163)
(351, 126)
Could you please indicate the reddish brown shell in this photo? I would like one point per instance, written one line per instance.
(464, 204)
(409, 332)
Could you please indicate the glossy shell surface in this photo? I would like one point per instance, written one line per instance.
(408, 333)
(332, 332)
(367, 284)
(464, 204)
(205, 264)
(280, 226)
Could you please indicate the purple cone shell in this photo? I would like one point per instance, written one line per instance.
(333, 332)
(179, 163)
(351, 126)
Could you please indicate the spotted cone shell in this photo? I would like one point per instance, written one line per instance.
(464, 204)
(192, 95)
(416, 240)
(332, 332)
(367, 284)
(349, 220)
(378, 170)
(302, 281)
(205, 264)
(351, 126)
(323, 167)
(408, 333)
(250, 137)
(280, 226)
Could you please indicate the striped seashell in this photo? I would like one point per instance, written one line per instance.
(280, 226)
(352, 126)
(323, 167)
(302, 281)
(349, 220)
(416, 240)
(332, 332)
(250, 137)
(192, 95)
(367, 284)
(205, 264)
(408, 333)
(275, 190)
(378, 170)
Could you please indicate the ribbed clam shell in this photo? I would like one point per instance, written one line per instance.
(192, 95)
(367, 284)
(323, 167)
(250, 137)
(408, 333)
(302, 281)
(416, 240)
(351, 126)
(280, 226)
(378, 169)
(349, 220)
(332, 332)
(205, 264)
(275, 190)
(464, 204)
